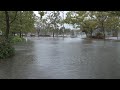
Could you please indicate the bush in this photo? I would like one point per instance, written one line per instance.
(98, 36)
(6, 49)
(16, 39)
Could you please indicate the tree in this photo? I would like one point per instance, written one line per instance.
(62, 21)
(38, 24)
(101, 17)
(42, 13)
(113, 24)
(83, 20)
(54, 19)
(41, 22)
(116, 20)
(24, 23)
(9, 21)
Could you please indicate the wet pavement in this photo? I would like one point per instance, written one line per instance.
(58, 58)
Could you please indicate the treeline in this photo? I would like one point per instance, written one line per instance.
(24, 22)
(50, 22)
(12, 23)
(96, 24)
(16, 22)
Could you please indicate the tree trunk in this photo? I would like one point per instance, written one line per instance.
(7, 24)
(57, 33)
(63, 34)
(103, 31)
(91, 33)
(53, 33)
(104, 34)
(20, 33)
(117, 34)
(14, 33)
(86, 34)
(38, 32)
(21, 24)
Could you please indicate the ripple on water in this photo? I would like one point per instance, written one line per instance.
(63, 58)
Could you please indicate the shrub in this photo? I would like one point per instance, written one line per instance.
(98, 36)
(6, 49)
(16, 39)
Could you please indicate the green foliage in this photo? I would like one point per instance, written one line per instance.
(42, 13)
(91, 21)
(16, 39)
(23, 21)
(99, 36)
(6, 49)
(50, 21)
(11, 23)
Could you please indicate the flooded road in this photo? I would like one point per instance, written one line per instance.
(58, 58)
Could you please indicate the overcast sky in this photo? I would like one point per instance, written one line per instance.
(36, 12)
(66, 25)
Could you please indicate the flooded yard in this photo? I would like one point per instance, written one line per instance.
(58, 58)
